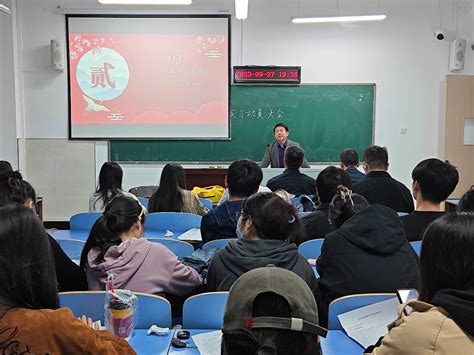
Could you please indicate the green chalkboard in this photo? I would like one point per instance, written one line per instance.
(323, 119)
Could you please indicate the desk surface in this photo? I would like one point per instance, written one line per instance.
(335, 343)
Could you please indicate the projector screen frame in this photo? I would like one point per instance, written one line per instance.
(229, 76)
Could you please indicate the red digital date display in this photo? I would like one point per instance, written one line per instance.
(257, 74)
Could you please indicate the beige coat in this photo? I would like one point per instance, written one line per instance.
(428, 330)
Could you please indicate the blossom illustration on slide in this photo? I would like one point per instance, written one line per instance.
(102, 75)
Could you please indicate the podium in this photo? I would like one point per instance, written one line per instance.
(205, 177)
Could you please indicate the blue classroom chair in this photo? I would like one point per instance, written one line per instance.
(348, 303)
(80, 226)
(156, 224)
(177, 247)
(144, 201)
(84, 221)
(416, 245)
(206, 203)
(205, 311)
(311, 249)
(152, 309)
(217, 243)
(72, 247)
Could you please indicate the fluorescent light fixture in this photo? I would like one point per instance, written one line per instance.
(146, 2)
(338, 19)
(5, 9)
(241, 9)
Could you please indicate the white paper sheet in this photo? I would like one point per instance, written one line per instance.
(192, 234)
(208, 343)
(367, 324)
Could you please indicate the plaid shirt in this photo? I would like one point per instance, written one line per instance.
(191, 204)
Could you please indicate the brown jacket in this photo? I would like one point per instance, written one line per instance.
(28, 331)
(427, 330)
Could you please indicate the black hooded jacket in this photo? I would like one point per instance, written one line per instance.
(244, 255)
(368, 253)
(459, 305)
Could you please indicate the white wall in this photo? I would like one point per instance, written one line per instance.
(8, 146)
(399, 54)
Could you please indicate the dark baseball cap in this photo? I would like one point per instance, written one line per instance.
(287, 284)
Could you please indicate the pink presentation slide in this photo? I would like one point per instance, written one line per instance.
(148, 79)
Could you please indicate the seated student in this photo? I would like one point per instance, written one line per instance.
(292, 180)
(225, 196)
(109, 187)
(116, 246)
(266, 227)
(5, 167)
(242, 180)
(368, 252)
(275, 300)
(433, 181)
(378, 186)
(466, 204)
(349, 160)
(442, 320)
(13, 189)
(172, 195)
(316, 223)
(31, 321)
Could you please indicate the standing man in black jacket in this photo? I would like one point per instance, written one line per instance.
(378, 186)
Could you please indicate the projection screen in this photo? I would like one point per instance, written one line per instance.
(148, 77)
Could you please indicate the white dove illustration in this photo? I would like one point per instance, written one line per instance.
(92, 106)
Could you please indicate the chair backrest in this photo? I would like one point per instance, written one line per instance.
(151, 309)
(72, 247)
(84, 221)
(311, 249)
(173, 221)
(205, 311)
(144, 201)
(143, 191)
(348, 303)
(217, 243)
(417, 246)
(178, 247)
(206, 203)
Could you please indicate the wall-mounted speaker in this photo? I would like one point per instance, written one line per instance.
(457, 55)
(57, 54)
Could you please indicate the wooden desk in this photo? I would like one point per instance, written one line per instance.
(205, 177)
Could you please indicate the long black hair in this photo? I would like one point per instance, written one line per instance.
(13, 189)
(272, 217)
(344, 205)
(119, 216)
(466, 204)
(168, 197)
(27, 273)
(446, 260)
(110, 183)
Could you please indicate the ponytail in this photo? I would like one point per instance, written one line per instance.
(119, 216)
(344, 205)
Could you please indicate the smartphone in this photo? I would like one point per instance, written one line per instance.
(406, 296)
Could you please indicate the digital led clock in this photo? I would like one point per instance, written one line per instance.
(267, 74)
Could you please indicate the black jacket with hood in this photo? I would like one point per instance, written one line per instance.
(244, 255)
(368, 253)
